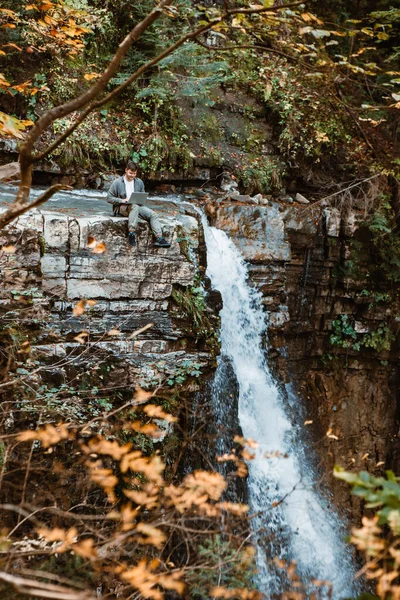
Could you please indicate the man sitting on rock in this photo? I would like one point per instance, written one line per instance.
(119, 194)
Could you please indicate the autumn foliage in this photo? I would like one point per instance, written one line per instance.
(145, 531)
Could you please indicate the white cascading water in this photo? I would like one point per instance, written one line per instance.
(301, 527)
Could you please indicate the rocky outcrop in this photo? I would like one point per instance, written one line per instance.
(87, 298)
(297, 258)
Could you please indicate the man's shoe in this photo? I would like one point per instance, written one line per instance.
(132, 238)
(161, 243)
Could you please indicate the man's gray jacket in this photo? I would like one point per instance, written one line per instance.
(117, 191)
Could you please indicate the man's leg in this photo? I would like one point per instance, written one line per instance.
(152, 218)
(133, 210)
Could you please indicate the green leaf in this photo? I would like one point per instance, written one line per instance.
(340, 473)
(320, 33)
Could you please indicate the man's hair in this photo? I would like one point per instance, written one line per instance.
(132, 166)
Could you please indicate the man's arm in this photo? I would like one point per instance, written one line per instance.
(113, 196)
(139, 185)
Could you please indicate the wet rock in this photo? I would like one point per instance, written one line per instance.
(166, 188)
(259, 232)
(246, 198)
(332, 221)
(228, 183)
(9, 172)
(301, 199)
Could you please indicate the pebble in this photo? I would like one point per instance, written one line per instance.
(301, 199)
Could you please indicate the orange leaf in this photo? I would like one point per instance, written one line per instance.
(99, 248)
(8, 249)
(85, 548)
(156, 411)
(90, 76)
(82, 337)
(79, 308)
(11, 45)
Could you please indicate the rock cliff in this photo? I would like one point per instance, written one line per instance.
(333, 333)
(90, 318)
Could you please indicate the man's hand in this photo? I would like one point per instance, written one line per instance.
(125, 201)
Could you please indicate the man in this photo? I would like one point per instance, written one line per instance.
(119, 194)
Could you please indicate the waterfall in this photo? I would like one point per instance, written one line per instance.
(292, 520)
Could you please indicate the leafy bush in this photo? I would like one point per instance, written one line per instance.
(379, 537)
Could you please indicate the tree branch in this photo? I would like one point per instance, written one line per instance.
(58, 112)
(39, 589)
(19, 209)
(151, 63)
(251, 47)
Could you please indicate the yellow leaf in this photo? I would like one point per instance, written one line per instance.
(383, 36)
(141, 330)
(8, 249)
(308, 17)
(90, 76)
(79, 308)
(308, 422)
(85, 548)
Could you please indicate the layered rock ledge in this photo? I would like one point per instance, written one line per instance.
(51, 262)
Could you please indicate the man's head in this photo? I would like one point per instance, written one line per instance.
(130, 170)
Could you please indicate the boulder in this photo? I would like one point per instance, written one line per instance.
(9, 172)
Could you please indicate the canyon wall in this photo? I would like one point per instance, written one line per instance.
(329, 332)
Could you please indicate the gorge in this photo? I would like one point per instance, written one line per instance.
(286, 383)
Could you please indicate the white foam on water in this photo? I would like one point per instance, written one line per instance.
(310, 532)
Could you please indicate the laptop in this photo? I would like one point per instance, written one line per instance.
(138, 198)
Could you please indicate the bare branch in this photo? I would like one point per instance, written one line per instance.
(68, 107)
(19, 208)
(39, 589)
(250, 47)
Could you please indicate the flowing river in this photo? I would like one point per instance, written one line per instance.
(293, 522)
